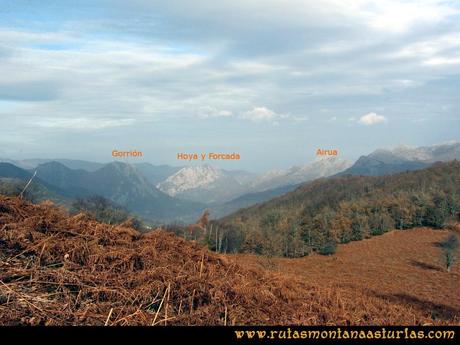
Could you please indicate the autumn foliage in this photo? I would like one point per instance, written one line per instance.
(319, 215)
(57, 269)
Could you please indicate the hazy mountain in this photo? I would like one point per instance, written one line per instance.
(190, 178)
(70, 163)
(35, 192)
(278, 182)
(375, 166)
(241, 176)
(249, 199)
(164, 192)
(430, 154)
(216, 186)
(156, 173)
(12, 171)
(119, 182)
(80, 164)
(123, 184)
(73, 182)
(298, 174)
(24, 163)
(13, 180)
(206, 183)
(402, 158)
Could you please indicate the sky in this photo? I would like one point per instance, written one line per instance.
(272, 80)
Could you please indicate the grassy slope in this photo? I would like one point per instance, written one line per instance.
(404, 267)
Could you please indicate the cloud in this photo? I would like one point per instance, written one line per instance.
(229, 61)
(297, 118)
(437, 51)
(372, 119)
(438, 61)
(30, 90)
(398, 17)
(430, 47)
(169, 70)
(262, 114)
(212, 112)
(81, 123)
(232, 17)
(10, 36)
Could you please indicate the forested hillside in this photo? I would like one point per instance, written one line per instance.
(114, 275)
(318, 215)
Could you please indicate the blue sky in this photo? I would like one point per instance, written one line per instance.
(272, 80)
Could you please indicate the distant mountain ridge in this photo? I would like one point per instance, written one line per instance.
(323, 167)
(190, 178)
(123, 184)
(206, 183)
(70, 163)
(166, 192)
(212, 185)
(156, 173)
(403, 158)
(117, 181)
(247, 200)
(430, 154)
(13, 178)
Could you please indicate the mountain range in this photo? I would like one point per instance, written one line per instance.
(206, 183)
(165, 193)
(403, 158)
(119, 182)
(322, 167)
(28, 164)
(216, 186)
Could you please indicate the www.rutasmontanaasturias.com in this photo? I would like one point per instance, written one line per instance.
(339, 333)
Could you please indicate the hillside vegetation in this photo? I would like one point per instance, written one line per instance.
(319, 215)
(62, 270)
(404, 267)
(35, 192)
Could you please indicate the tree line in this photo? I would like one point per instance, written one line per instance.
(319, 215)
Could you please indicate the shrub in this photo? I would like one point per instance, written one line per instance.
(328, 249)
(449, 245)
(104, 210)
